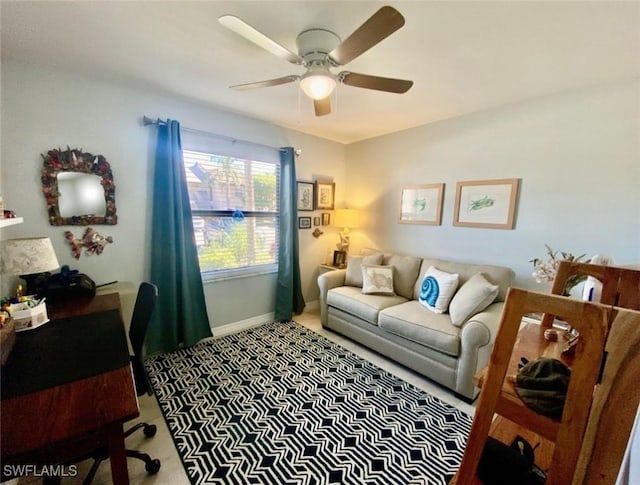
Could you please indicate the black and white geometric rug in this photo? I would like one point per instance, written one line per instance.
(280, 404)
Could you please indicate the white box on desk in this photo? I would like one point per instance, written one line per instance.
(28, 318)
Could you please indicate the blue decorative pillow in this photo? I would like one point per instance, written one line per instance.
(437, 289)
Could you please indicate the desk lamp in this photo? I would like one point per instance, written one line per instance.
(28, 258)
(346, 219)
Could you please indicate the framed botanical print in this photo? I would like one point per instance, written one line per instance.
(305, 192)
(486, 203)
(325, 195)
(421, 204)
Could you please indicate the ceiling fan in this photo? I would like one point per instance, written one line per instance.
(319, 50)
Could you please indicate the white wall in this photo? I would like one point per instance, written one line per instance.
(577, 155)
(44, 109)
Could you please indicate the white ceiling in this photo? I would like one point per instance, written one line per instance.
(462, 56)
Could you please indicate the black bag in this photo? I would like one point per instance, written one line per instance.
(69, 284)
(501, 464)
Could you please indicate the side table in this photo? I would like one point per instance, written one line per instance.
(324, 268)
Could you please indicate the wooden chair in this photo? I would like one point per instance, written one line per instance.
(620, 286)
(587, 448)
(498, 396)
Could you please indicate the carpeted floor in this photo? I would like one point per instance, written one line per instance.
(280, 404)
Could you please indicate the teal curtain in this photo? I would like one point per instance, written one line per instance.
(289, 299)
(180, 317)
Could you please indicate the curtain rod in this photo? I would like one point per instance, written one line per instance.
(146, 121)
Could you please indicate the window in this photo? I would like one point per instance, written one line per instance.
(235, 203)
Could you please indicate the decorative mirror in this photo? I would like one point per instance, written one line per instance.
(78, 188)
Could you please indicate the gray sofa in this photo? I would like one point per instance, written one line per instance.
(401, 328)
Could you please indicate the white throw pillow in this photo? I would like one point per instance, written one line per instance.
(353, 277)
(377, 280)
(472, 297)
(437, 289)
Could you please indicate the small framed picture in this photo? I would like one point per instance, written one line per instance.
(339, 259)
(325, 195)
(326, 218)
(304, 222)
(316, 221)
(305, 191)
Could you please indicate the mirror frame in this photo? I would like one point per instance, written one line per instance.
(75, 160)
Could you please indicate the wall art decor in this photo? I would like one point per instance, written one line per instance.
(92, 241)
(316, 221)
(78, 188)
(421, 204)
(326, 218)
(304, 222)
(317, 233)
(486, 203)
(305, 191)
(325, 195)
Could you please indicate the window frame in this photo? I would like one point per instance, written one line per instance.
(244, 271)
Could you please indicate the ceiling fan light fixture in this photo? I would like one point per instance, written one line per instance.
(318, 84)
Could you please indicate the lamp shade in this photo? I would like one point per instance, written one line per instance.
(28, 256)
(318, 84)
(346, 218)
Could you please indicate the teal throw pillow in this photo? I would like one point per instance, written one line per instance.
(437, 289)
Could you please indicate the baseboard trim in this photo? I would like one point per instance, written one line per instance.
(236, 327)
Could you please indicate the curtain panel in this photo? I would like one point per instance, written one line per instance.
(180, 317)
(289, 299)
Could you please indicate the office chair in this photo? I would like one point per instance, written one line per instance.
(145, 302)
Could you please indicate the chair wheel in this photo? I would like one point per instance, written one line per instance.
(153, 466)
(149, 430)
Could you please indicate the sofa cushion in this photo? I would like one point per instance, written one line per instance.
(414, 322)
(351, 300)
(353, 277)
(405, 274)
(497, 275)
(377, 280)
(437, 289)
(472, 297)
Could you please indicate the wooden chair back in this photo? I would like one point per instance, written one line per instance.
(620, 286)
(591, 321)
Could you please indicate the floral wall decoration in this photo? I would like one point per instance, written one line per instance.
(92, 241)
(58, 161)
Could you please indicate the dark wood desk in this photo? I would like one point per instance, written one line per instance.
(64, 420)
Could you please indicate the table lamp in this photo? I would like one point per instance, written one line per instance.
(28, 258)
(345, 219)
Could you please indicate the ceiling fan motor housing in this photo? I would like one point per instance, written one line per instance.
(315, 44)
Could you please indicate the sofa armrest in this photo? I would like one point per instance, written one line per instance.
(326, 281)
(476, 343)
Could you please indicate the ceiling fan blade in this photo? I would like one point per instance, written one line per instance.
(380, 25)
(265, 84)
(242, 28)
(322, 106)
(378, 83)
